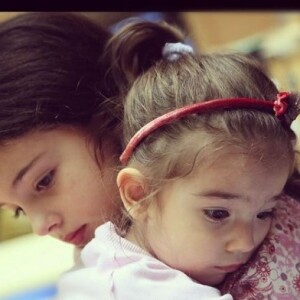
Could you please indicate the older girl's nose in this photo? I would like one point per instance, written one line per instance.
(45, 223)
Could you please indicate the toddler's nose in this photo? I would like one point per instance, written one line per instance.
(242, 241)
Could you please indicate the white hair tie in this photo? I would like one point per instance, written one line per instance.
(172, 51)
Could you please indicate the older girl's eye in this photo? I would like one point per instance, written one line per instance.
(216, 214)
(45, 182)
(18, 212)
(266, 215)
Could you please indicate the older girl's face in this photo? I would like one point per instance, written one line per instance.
(53, 178)
(209, 223)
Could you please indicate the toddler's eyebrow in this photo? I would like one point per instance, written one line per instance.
(220, 194)
(230, 196)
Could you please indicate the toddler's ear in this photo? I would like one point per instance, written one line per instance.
(132, 187)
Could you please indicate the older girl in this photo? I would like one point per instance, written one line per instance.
(59, 134)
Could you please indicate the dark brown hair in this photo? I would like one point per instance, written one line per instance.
(51, 74)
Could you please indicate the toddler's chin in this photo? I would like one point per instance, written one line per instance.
(211, 280)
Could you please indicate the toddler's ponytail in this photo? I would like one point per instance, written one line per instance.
(136, 47)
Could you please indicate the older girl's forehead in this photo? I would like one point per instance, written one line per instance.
(19, 155)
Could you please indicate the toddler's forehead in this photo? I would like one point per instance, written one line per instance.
(245, 157)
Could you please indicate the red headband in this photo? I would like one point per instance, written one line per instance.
(279, 106)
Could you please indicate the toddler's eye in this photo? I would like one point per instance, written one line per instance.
(266, 215)
(216, 214)
(18, 212)
(45, 182)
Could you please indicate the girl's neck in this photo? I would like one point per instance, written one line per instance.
(137, 238)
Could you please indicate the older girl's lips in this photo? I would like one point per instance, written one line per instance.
(76, 237)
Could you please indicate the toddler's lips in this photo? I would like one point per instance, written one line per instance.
(229, 268)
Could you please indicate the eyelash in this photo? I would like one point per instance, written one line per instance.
(266, 215)
(219, 215)
(46, 181)
(18, 212)
(209, 213)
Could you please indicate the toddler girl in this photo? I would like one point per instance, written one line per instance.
(208, 151)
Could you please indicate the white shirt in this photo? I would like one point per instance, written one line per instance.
(116, 269)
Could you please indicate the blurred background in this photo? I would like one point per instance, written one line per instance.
(30, 265)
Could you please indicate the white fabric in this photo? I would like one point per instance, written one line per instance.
(116, 269)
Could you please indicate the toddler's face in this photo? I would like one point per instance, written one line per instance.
(209, 223)
(52, 176)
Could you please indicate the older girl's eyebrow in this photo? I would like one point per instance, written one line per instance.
(26, 168)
